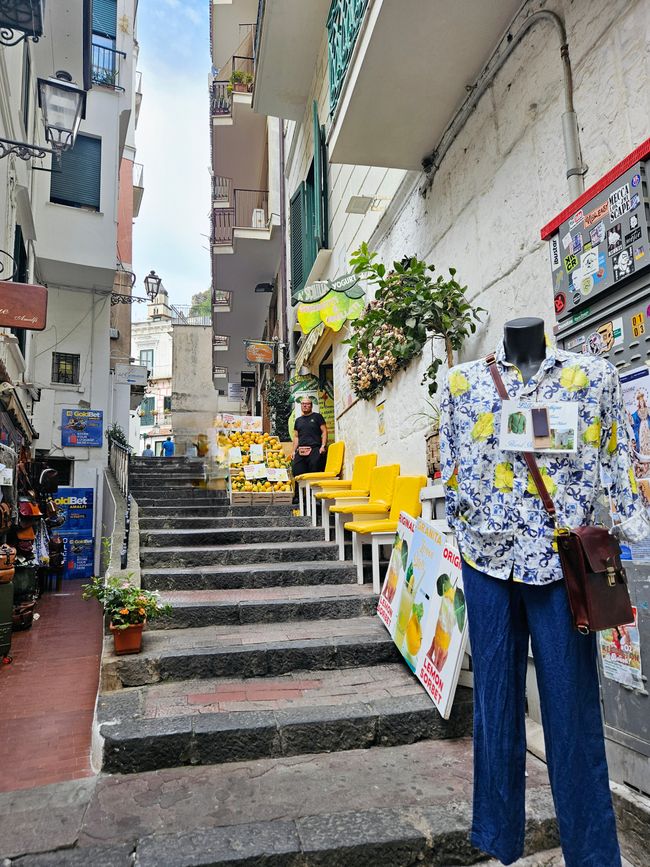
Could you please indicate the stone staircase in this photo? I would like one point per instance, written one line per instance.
(273, 663)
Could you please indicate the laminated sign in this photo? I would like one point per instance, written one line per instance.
(422, 604)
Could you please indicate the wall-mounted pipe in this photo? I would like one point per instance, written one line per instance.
(576, 169)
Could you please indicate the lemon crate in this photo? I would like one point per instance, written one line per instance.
(240, 498)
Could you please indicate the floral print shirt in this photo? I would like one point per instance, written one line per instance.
(492, 503)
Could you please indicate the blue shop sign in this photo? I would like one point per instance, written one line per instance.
(82, 428)
(79, 550)
(76, 506)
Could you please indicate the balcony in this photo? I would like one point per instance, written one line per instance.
(233, 23)
(138, 96)
(221, 302)
(138, 187)
(188, 314)
(249, 214)
(105, 66)
(399, 71)
(232, 89)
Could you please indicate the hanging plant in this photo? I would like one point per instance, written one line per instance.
(409, 308)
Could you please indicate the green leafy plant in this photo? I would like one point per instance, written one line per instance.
(409, 308)
(278, 396)
(117, 435)
(125, 603)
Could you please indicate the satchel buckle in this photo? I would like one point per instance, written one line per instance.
(611, 574)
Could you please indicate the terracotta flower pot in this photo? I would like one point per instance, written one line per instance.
(127, 640)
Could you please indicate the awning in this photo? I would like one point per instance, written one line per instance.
(311, 341)
(11, 404)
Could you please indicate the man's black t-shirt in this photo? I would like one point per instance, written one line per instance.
(308, 427)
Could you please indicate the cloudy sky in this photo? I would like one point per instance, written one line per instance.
(170, 234)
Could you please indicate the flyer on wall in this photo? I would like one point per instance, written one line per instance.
(422, 604)
(620, 654)
(635, 388)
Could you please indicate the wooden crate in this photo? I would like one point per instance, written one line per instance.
(260, 498)
(240, 498)
(282, 498)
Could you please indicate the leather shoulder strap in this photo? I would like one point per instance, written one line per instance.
(529, 457)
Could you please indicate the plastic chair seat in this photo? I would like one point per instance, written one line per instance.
(362, 508)
(365, 527)
(339, 495)
(307, 477)
(339, 484)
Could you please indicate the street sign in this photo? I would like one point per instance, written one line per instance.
(23, 305)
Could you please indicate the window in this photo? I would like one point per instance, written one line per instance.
(65, 368)
(146, 359)
(167, 404)
(147, 408)
(27, 83)
(309, 213)
(77, 184)
(104, 55)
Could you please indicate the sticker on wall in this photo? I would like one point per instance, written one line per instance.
(607, 334)
(636, 180)
(619, 203)
(634, 235)
(586, 284)
(576, 244)
(577, 298)
(614, 240)
(589, 262)
(597, 234)
(596, 215)
(566, 241)
(623, 264)
(595, 344)
(575, 342)
(638, 324)
(635, 201)
(639, 253)
(576, 219)
(560, 302)
(570, 262)
(554, 250)
(634, 222)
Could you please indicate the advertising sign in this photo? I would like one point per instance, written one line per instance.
(247, 379)
(82, 427)
(332, 302)
(259, 353)
(23, 305)
(79, 554)
(422, 604)
(131, 374)
(76, 506)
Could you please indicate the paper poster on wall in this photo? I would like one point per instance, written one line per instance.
(381, 418)
(76, 506)
(620, 653)
(423, 606)
(79, 553)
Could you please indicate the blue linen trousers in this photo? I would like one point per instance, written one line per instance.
(502, 615)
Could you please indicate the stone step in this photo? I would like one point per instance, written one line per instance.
(232, 555)
(183, 499)
(266, 605)
(251, 575)
(204, 738)
(137, 462)
(155, 521)
(158, 486)
(194, 507)
(384, 807)
(187, 538)
(245, 651)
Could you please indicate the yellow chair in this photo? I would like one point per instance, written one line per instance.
(357, 486)
(382, 531)
(333, 467)
(376, 505)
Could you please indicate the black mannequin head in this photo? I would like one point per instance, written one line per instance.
(524, 344)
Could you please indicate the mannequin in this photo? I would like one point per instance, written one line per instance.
(524, 344)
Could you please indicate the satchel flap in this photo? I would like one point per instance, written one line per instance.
(600, 548)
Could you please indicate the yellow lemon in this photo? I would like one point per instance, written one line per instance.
(504, 477)
(484, 426)
(574, 378)
(613, 439)
(551, 487)
(458, 383)
(591, 436)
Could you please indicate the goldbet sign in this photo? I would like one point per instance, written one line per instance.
(23, 305)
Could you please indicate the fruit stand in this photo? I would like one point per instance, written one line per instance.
(259, 468)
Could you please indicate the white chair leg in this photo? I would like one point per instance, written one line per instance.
(325, 518)
(375, 565)
(301, 498)
(314, 514)
(339, 534)
(357, 555)
(307, 499)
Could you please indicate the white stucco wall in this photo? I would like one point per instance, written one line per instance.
(502, 180)
(194, 398)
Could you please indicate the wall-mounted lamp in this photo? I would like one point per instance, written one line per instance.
(25, 16)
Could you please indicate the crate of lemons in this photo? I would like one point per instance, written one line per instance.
(274, 458)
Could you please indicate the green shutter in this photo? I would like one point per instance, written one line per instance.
(296, 218)
(105, 17)
(77, 182)
(318, 181)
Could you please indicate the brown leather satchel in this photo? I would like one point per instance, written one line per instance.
(594, 576)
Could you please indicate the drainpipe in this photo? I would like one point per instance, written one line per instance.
(576, 169)
(288, 362)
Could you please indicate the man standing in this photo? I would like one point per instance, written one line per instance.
(148, 451)
(309, 441)
(168, 448)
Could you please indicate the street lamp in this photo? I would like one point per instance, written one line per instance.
(152, 284)
(64, 106)
(26, 16)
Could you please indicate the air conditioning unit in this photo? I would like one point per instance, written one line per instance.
(114, 333)
(259, 218)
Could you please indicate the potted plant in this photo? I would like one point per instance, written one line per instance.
(248, 81)
(432, 438)
(238, 81)
(127, 607)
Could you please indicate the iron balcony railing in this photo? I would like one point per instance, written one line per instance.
(251, 211)
(106, 66)
(221, 301)
(192, 314)
(343, 25)
(220, 100)
(220, 342)
(221, 190)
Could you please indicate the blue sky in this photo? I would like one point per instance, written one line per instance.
(172, 140)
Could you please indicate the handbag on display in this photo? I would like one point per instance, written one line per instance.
(6, 574)
(48, 482)
(7, 556)
(5, 516)
(590, 556)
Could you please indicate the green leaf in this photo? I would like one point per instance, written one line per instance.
(409, 575)
(459, 608)
(418, 610)
(404, 554)
(443, 584)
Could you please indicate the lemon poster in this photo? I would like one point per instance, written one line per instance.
(423, 608)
